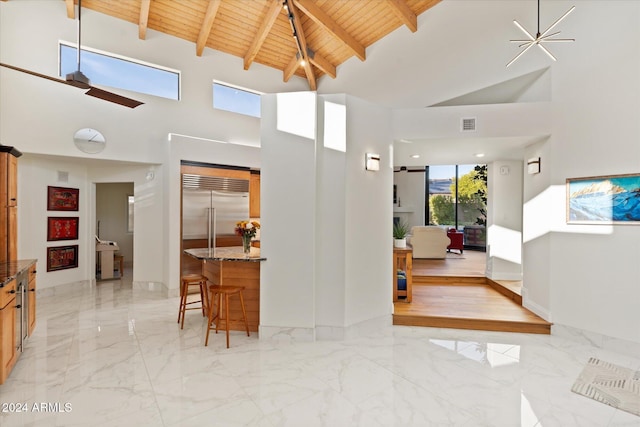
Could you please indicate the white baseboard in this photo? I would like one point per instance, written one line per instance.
(337, 333)
(156, 286)
(86, 284)
(324, 333)
(535, 308)
(503, 275)
(286, 335)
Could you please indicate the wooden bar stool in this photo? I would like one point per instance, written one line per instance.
(188, 281)
(226, 292)
(118, 260)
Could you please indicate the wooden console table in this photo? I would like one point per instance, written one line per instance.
(403, 260)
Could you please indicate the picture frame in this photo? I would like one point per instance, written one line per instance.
(62, 198)
(608, 199)
(62, 228)
(62, 257)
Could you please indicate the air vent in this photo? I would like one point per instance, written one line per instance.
(214, 183)
(468, 124)
(63, 176)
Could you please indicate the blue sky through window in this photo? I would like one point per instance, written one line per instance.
(105, 70)
(236, 100)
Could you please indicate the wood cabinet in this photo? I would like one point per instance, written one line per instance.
(254, 194)
(8, 353)
(12, 180)
(8, 203)
(403, 260)
(31, 289)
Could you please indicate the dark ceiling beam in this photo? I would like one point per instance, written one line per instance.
(273, 10)
(143, 21)
(321, 18)
(205, 28)
(406, 15)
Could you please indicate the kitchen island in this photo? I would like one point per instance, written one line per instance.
(230, 266)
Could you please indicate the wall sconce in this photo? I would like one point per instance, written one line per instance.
(372, 162)
(533, 165)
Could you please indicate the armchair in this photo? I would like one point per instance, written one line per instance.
(429, 242)
(457, 240)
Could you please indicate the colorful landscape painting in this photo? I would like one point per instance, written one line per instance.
(611, 199)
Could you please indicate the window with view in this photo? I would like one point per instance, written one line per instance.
(456, 197)
(119, 72)
(236, 100)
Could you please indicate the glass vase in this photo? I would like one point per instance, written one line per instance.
(246, 245)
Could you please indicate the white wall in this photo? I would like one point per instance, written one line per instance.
(330, 293)
(326, 220)
(410, 189)
(288, 213)
(35, 173)
(594, 270)
(504, 220)
(369, 217)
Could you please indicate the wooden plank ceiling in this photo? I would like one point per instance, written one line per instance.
(309, 38)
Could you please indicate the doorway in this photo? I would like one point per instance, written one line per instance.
(114, 223)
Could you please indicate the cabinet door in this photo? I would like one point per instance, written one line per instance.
(12, 180)
(32, 299)
(4, 179)
(254, 196)
(4, 233)
(12, 233)
(7, 339)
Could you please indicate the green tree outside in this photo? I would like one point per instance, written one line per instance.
(471, 206)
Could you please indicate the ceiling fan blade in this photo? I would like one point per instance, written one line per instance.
(112, 97)
(33, 73)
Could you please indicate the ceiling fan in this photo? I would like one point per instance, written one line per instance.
(78, 79)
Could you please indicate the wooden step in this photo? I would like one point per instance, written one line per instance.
(475, 324)
(466, 304)
(450, 280)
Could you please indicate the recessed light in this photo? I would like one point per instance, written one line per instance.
(415, 156)
(406, 141)
(480, 155)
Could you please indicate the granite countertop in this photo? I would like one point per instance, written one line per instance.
(9, 270)
(229, 253)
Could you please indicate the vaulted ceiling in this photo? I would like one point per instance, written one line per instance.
(309, 38)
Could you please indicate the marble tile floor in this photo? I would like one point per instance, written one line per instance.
(113, 355)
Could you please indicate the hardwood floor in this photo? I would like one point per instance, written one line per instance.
(454, 293)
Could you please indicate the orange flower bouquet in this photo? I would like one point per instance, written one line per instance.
(247, 230)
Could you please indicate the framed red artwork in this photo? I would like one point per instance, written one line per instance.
(62, 199)
(62, 228)
(62, 257)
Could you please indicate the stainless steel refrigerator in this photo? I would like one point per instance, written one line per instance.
(211, 206)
